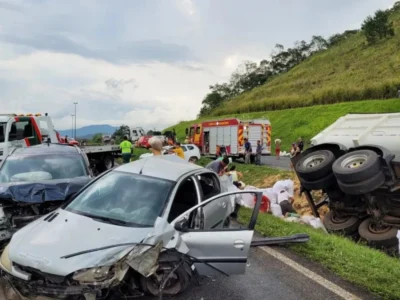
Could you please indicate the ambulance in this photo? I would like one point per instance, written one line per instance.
(227, 136)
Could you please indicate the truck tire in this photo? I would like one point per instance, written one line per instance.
(315, 165)
(380, 239)
(356, 166)
(346, 225)
(108, 162)
(363, 187)
(319, 184)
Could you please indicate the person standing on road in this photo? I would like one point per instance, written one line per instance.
(247, 151)
(155, 146)
(178, 150)
(294, 152)
(126, 149)
(258, 153)
(218, 166)
(278, 148)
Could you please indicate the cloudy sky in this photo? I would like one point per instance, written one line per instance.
(146, 63)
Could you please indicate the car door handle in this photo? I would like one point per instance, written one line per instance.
(238, 244)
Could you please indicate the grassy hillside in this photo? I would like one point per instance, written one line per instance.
(348, 71)
(289, 124)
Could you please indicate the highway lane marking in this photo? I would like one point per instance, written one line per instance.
(310, 274)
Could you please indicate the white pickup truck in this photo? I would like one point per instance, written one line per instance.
(356, 161)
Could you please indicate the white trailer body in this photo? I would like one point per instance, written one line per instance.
(355, 130)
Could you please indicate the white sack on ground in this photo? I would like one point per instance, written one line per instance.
(286, 185)
(276, 210)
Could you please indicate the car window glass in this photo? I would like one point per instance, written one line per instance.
(185, 198)
(198, 130)
(134, 132)
(134, 199)
(2, 130)
(209, 185)
(55, 167)
(190, 147)
(215, 215)
(184, 148)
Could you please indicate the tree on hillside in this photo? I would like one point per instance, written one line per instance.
(377, 27)
(119, 134)
(97, 138)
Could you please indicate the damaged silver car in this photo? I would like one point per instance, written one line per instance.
(144, 227)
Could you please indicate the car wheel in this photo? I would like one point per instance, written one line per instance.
(319, 184)
(383, 237)
(109, 162)
(348, 225)
(193, 159)
(363, 187)
(315, 165)
(356, 166)
(176, 284)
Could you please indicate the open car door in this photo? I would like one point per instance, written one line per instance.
(226, 249)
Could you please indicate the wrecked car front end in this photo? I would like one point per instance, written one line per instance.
(22, 203)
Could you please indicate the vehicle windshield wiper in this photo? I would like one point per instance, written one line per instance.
(109, 220)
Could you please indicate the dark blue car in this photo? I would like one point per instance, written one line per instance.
(36, 180)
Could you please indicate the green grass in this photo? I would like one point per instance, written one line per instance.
(289, 124)
(368, 268)
(253, 175)
(348, 71)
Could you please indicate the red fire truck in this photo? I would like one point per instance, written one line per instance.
(227, 136)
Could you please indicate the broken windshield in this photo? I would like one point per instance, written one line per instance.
(123, 199)
(40, 167)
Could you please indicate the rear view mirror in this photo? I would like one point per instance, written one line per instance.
(182, 226)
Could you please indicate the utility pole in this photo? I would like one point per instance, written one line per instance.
(75, 103)
(72, 127)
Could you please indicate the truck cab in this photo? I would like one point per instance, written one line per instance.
(24, 131)
(135, 133)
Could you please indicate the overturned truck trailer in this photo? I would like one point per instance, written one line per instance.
(356, 162)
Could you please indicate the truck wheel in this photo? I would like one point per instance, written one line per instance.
(319, 184)
(108, 162)
(381, 238)
(356, 166)
(347, 225)
(315, 165)
(363, 187)
(177, 283)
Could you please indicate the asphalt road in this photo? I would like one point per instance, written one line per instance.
(271, 161)
(269, 278)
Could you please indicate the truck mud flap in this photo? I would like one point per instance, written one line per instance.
(275, 241)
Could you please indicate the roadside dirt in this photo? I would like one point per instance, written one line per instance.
(300, 202)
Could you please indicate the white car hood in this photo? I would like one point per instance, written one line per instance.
(41, 244)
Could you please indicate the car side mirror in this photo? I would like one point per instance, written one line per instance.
(182, 226)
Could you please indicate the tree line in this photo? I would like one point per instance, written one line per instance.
(250, 75)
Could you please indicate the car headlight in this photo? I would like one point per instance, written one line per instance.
(94, 275)
(5, 259)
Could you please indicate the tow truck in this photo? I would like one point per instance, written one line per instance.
(24, 130)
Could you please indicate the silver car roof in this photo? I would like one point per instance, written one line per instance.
(159, 167)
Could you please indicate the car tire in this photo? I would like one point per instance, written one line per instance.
(193, 159)
(366, 186)
(356, 166)
(315, 165)
(319, 184)
(150, 286)
(335, 194)
(347, 225)
(383, 239)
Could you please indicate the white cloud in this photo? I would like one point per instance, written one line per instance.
(149, 95)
